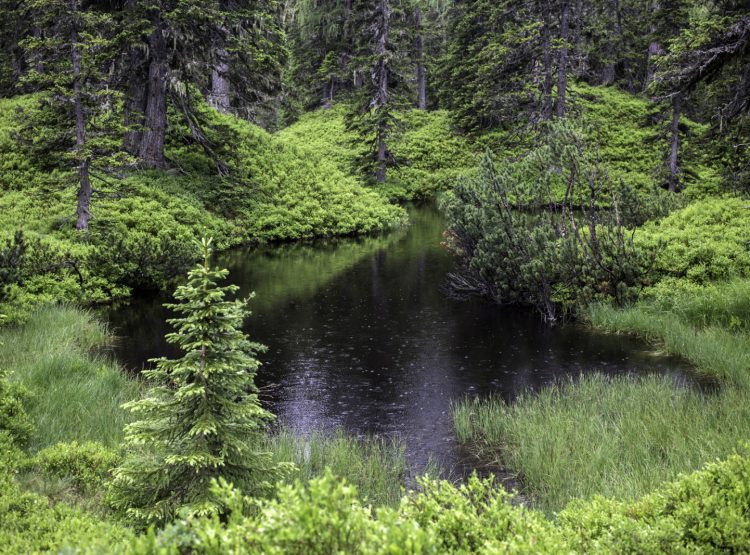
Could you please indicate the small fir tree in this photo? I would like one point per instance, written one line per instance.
(202, 419)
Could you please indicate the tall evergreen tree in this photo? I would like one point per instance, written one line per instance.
(202, 419)
(383, 53)
(73, 52)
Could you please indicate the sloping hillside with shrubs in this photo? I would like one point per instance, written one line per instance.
(144, 224)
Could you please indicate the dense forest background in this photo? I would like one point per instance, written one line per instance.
(591, 159)
(147, 122)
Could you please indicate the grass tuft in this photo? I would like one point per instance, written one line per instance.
(76, 390)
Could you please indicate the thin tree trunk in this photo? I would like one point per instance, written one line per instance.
(577, 62)
(613, 41)
(547, 61)
(421, 74)
(381, 94)
(673, 156)
(83, 212)
(562, 65)
(151, 152)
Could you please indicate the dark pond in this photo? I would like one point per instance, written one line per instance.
(361, 337)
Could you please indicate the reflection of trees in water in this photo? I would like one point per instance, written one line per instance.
(360, 335)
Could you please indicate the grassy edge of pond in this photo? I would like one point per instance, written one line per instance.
(74, 393)
(621, 437)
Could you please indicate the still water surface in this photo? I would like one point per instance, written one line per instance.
(360, 336)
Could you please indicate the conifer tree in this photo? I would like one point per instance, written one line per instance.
(382, 52)
(202, 419)
(73, 52)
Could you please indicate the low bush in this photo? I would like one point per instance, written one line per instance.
(14, 420)
(144, 223)
(705, 241)
(30, 524)
(703, 512)
(88, 465)
(429, 154)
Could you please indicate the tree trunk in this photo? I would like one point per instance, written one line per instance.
(421, 76)
(151, 152)
(83, 212)
(673, 156)
(613, 42)
(547, 61)
(219, 95)
(135, 104)
(562, 65)
(578, 59)
(381, 93)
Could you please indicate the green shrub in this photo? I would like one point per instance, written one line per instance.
(144, 223)
(707, 511)
(703, 512)
(429, 154)
(30, 524)
(633, 144)
(518, 245)
(326, 516)
(706, 241)
(13, 418)
(86, 465)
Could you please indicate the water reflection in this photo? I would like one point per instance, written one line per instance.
(360, 336)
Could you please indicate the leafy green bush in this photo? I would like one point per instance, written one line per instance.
(704, 512)
(326, 516)
(87, 465)
(553, 240)
(14, 420)
(143, 224)
(633, 144)
(429, 155)
(31, 525)
(705, 241)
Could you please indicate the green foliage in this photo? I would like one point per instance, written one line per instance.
(142, 232)
(201, 420)
(705, 241)
(428, 153)
(704, 512)
(633, 146)
(548, 239)
(326, 516)
(30, 524)
(14, 421)
(87, 465)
